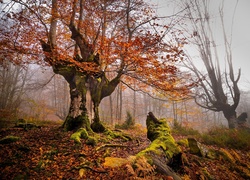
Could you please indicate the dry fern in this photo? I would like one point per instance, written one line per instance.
(143, 169)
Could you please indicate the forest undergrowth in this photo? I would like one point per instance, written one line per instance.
(48, 152)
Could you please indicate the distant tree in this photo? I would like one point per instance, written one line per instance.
(218, 90)
(13, 80)
(83, 40)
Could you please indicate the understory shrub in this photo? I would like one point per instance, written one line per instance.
(130, 122)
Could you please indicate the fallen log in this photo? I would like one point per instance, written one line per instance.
(162, 155)
(163, 152)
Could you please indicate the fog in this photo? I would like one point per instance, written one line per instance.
(240, 27)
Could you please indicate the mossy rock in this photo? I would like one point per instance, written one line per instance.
(115, 162)
(9, 139)
(156, 130)
(194, 147)
(27, 126)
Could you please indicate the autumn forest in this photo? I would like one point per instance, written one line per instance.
(109, 89)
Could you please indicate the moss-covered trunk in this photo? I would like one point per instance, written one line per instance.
(79, 114)
(88, 83)
(86, 92)
(163, 152)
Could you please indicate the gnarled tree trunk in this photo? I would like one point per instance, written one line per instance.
(230, 114)
(88, 83)
(86, 92)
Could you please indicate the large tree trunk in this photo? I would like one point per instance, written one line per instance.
(78, 115)
(88, 83)
(86, 92)
(230, 114)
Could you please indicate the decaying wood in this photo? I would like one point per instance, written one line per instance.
(163, 150)
(152, 116)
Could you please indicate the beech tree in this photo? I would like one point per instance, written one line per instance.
(84, 40)
(13, 82)
(219, 89)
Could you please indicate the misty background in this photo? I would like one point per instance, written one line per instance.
(37, 93)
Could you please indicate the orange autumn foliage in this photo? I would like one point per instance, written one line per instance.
(126, 34)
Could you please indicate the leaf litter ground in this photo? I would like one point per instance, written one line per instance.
(48, 153)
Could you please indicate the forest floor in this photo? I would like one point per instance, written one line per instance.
(49, 153)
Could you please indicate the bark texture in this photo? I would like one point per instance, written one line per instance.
(88, 83)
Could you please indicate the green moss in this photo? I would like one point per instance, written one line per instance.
(112, 135)
(9, 139)
(194, 147)
(99, 79)
(157, 130)
(164, 144)
(80, 133)
(83, 134)
(183, 142)
(162, 141)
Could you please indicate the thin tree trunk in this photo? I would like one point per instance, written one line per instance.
(121, 102)
(111, 109)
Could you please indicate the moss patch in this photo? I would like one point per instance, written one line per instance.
(79, 134)
(83, 134)
(112, 135)
(183, 142)
(162, 140)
